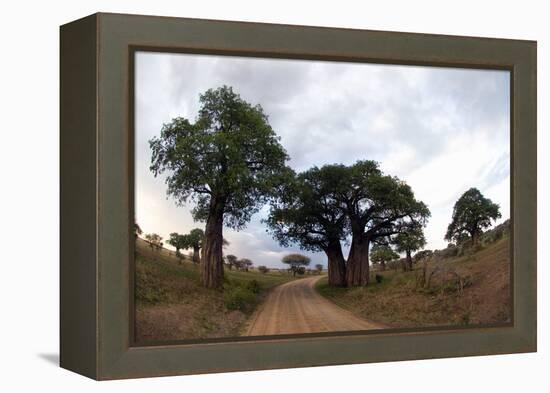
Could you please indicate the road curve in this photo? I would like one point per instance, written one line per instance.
(296, 307)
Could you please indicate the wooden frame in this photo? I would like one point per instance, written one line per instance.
(97, 182)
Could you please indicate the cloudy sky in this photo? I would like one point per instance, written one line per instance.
(442, 130)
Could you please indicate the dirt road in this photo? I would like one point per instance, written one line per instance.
(296, 307)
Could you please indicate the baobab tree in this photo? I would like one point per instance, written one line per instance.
(381, 254)
(308, 213)
(296, 262)
(472, 213)
(410, 239)
(377, 206)
(226, 162)
(178, 242)
(193, 240)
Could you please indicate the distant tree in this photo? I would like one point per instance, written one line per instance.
(319, 268)
(231, 261)
(137, 230)
(155, 241)
(381, 254)
(245, 264)
(178, 242)
(227, 162)
(193, 240)
(295, 262)
(472, 213)
(410, 239)
(263, 269)
(300, 270)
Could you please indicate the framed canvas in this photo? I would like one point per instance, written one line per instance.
(243, 196)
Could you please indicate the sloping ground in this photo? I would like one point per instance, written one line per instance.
(400, 301)
(172, 305)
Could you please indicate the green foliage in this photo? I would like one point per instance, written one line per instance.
(410, 239)
(382, 253)
(244, 264)
(308, 211)
(155, 240)
(263, 269)
(379, 278)
(193, 239)
(472, 213)
(239, 298)
(253, 286)
(319, 267)
(177, 241)
(296, 263)
(229, 154)
(378, 205)
(231, 260)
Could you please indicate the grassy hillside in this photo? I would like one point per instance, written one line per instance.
(467, 290)
(172, 305)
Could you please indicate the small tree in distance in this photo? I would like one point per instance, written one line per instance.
(178, 242)
(193, 240)
(319, 268)
(410, 239)
(245, 264)
(296, 262)
(472, 213)
(263, 269)
(231, 261)
(382, 253)
(155, 241)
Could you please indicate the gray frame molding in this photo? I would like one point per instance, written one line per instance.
(96, 144)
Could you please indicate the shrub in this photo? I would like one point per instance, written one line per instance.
(379, 278)
(253, 286)
(238, 298)
(263, 269)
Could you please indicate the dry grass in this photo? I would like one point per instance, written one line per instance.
(398, 301)
(172, 305)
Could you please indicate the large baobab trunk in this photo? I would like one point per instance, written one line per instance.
(336, 264)
(357, 269)
(212, 254)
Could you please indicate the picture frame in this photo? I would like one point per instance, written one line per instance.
(96, 171)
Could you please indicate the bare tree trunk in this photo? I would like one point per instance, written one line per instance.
(212, 255)
(336, 265)
(357, 270)
(196, 256)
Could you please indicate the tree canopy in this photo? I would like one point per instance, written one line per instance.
(296, 262)
(382, 253)
(410, 239)
(308, 213)
(378, 206)
(228, 162)
(472, 213)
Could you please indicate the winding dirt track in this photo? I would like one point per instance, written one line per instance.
(296, 307)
